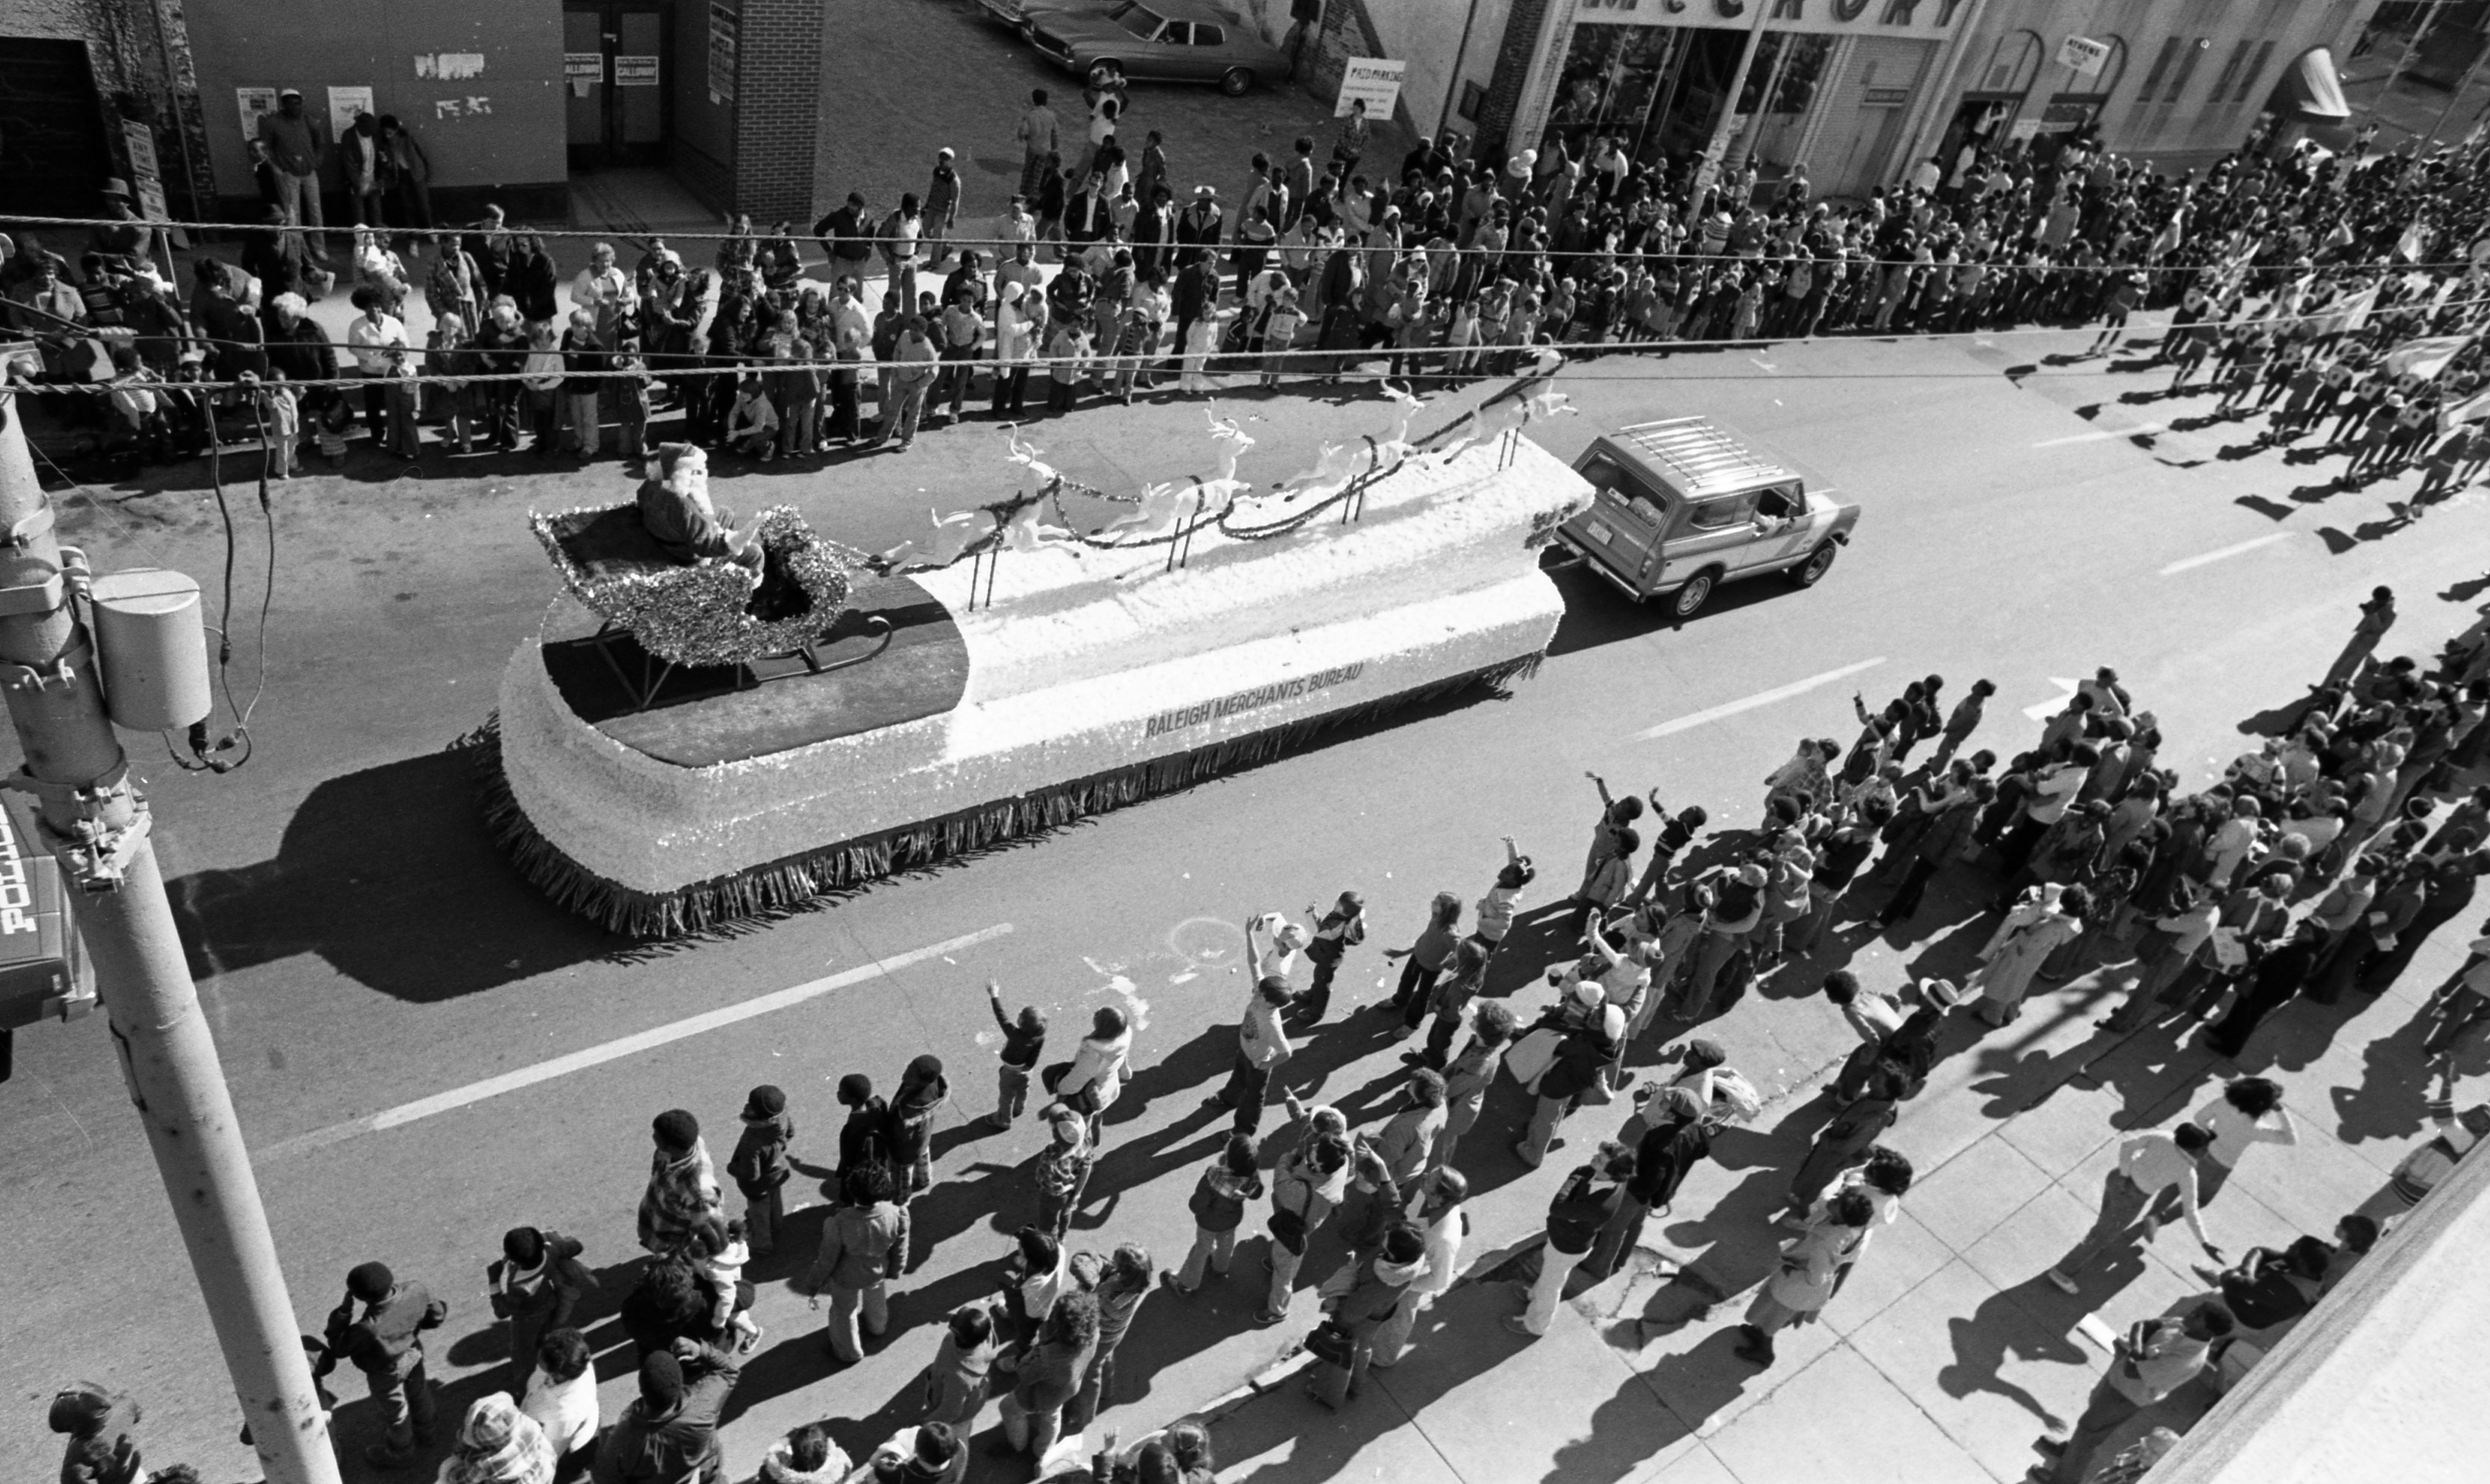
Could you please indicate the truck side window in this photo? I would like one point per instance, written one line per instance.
(1721, 514)
(1779, 503)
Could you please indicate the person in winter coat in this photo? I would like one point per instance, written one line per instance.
(1218, 1204)
(1670, 1133)
(1024, 1045)
(1804, 1283)
(2419, 1172)
(1036, 1276)
(1846, 1139)
(536, 1286)
(1593, 1032)
(760, 1167)
(1407, 1142)
(498, 1443)
(669, 1434)
(864, 1139)
(955, 1385)
(1468, 1075)
(683, 1186)
(98, 1424)
(1062, 1169)
(804, 1456)
(1309, 1184)
(864, 1244)
(1095, 1076)
(1120, 1291)
(1584, 1203)
(1050, 1375)
(922, 1091)
(2046, 919)
(1364, 1299)
(385, 1342)
(1433, 1207)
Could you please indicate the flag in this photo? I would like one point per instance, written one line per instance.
(2472, 409)
(2413, 243)
(2348, 313)
(2426, 357)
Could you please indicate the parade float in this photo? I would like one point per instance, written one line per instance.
(728, 744)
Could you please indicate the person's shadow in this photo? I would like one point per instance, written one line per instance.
(1983, 1341)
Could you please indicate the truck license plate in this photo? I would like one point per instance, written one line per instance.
(1596, 532)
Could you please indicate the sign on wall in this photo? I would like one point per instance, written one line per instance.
(635, 72)
(583, 66)
(449, 65)
(344, 106)
(2082, 56)
(253, 103)
(1917, 19)
(1371, 80)
(724, 28)
(145, 178)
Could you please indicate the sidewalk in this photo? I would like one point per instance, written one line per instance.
(1949, 1353)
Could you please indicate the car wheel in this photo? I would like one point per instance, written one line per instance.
(1691, 597)
(1236, 81)
(1812, 570)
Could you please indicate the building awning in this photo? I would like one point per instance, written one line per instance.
(2309, 92)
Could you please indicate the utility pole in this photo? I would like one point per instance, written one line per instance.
(2404, 58)
(2463, 84)
(97, 823)
(1705, 172)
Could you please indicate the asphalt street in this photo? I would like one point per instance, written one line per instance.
(360, 948)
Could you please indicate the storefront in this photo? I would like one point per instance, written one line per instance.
(2178, 85)
(1829, 77)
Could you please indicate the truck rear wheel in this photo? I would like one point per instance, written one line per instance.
(1690, 598)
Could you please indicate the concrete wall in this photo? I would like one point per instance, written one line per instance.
(704, 142)
(2193, 129)
(127, 46)
(516, 140)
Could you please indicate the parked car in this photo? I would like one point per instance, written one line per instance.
(1153, 41)
(1683, 508)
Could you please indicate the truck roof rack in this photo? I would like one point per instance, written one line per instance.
(1699, 459)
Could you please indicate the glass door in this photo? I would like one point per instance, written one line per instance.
(616, 55)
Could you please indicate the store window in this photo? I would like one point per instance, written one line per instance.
(2180, 76)
(2254, 70)
(2153, 76)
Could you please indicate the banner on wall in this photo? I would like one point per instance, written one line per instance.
(344, 106)
(253, 103)
(2082, 56)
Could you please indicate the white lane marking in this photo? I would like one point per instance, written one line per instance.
(1760, 698)
(629, 1045)
(2105, 434)
(2050, 708)
(2211, 557)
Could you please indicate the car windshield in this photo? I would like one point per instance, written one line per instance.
(1140, 20)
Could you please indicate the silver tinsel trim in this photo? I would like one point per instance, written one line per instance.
(695, 615)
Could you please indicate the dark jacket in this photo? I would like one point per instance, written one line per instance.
(1584, 1205)
(552, 1302)
(1665, 1157)
(679, 1447)
(387, 1340)
(759, 1164)
(864, 1139)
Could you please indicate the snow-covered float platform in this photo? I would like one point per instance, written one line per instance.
(1093, 679)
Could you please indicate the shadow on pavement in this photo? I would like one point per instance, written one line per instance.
(386, 874)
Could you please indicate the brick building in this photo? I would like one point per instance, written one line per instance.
(509, 98)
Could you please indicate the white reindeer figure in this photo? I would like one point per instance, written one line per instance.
(1164, 506)
(952, 535)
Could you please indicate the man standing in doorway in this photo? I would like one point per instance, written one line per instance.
(291, 140)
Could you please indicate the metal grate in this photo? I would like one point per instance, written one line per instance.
(1698, 459)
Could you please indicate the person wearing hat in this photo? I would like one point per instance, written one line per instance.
(384, 1340)
(127, 246)
(670, 1432)
(683, 1186)
(536, 1286)
(760, 1167)
(293, 143)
